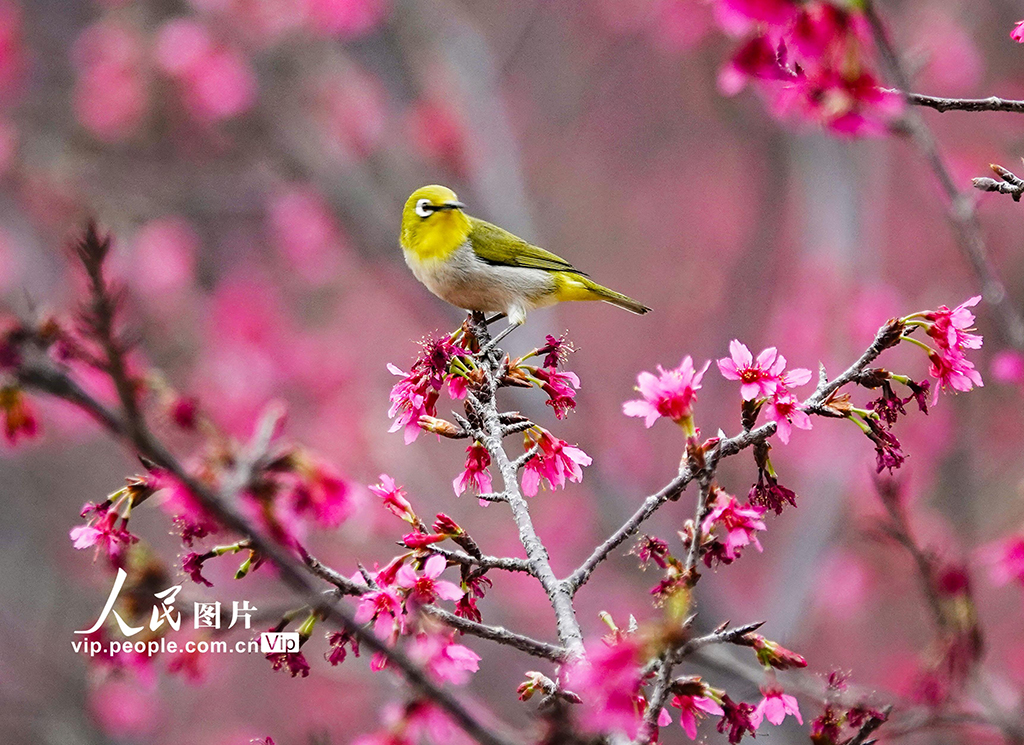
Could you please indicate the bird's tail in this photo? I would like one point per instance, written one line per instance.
(600, 292)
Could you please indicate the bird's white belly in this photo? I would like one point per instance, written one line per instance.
(466, 281)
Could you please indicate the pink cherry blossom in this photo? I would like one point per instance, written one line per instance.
(338, 640)
(952, 333)
(181, 46)
(561, 389)
(306, 233)
(346, 18)
(740, 525)
(1008, 366)
(737, 719)
(221, 86)
(475, 473)
(438, 131)
(352, 113)
(669, 395)
(1017, 33)
(320, 491)
(106, 536)
(163, 260)
(422, 540)
(384, 607)
(812, 60)
(111, 95)
(189, 514)
(417, 393)
(784, 409)
(427, 588)
(692, 709)
(768, 12)
(555, 462)
(952, 370)
(757, 59)
(394, 498)
(951, 329)
(293, 663)
(192, 565)
(774, 707)
(758, 378)
(12, 51)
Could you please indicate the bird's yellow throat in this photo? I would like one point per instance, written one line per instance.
(434, 239)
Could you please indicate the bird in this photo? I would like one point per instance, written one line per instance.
(477, 266)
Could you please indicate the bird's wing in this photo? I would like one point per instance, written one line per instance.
(486, 239)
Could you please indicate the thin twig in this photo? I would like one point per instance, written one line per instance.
(500, 635)
(508, 564)
(497, 634)
(733, 635)
(992, 103)
(702, 510)
(662, 686)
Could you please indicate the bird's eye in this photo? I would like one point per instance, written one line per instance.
(424, 208)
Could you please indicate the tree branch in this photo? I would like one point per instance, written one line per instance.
(669, 492)
(992, 103)
(500, 634)
(560, 597)
(508, 564)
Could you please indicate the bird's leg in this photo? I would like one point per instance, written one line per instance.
(493, 342)
(492, 319)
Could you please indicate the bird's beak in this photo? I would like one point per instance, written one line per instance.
(452, 206)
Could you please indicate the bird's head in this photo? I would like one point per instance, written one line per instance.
(433, 223)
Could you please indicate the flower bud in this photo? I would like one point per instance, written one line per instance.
(441, 427)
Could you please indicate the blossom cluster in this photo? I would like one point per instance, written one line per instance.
(449, 363)
(812, 60)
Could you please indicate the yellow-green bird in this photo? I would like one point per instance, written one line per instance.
(475, 265)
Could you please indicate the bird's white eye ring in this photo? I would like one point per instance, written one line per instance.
(424, 208)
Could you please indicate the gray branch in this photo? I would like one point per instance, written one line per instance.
(500, 635)
(559, 594)
(497, 634)
(1010, 184)
(509, 564)
(992, 103)
(669, 492)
